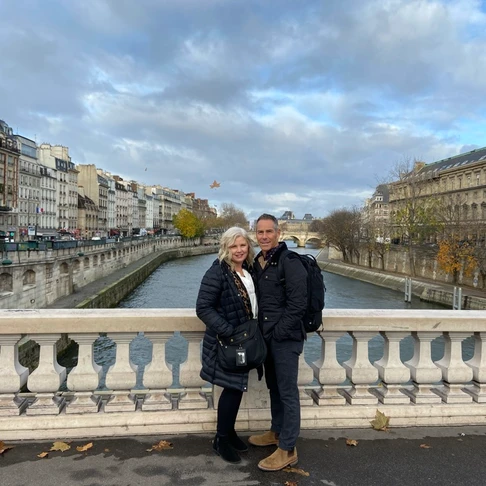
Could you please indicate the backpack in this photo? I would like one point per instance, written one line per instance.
(316, 289)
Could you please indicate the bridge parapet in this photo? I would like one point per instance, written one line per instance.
(41, 404)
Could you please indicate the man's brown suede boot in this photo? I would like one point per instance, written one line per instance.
(278, 460)
(262, 440)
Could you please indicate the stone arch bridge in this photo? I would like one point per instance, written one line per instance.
(298, 237)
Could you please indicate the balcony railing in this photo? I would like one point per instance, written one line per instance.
(165, 398)
(9, 144)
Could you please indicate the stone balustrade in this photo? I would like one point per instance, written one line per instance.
(128, 399)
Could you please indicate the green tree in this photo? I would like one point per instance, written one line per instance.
(188, 224)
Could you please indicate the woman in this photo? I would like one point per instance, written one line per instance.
(226, 299)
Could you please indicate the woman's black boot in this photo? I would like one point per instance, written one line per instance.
(223, 448)
(236, 442)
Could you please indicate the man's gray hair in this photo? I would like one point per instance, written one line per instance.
(228, 238)
(269, 217)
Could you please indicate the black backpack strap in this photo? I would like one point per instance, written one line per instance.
(280, 272)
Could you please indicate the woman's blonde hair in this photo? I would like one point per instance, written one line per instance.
(228, 238)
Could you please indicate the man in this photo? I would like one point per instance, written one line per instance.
(282, 301)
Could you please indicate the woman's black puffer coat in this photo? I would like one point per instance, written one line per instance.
(220, 306)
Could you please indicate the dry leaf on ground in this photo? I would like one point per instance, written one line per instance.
(352, 442)
(4, 447)
(160, 446)
(425, 446)
(42, 455)
(380, 422)
(60, 446)
(85, 447)
(290, 483)
(296, 470)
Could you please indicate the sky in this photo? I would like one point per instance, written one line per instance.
(290, 105)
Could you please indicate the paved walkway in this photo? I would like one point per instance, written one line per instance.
(403, 457)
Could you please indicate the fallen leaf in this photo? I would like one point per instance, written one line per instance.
(85, 447)
(107, 450)
(4, 447)
(380, 422)
(290, 483)
(425, 446)
(42, 455)
(60, 446)
(160, 446)
(296, 470)
(352, 442)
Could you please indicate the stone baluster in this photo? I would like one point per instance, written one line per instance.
(189, 374)
(328, 371)
(85, 376)
(122, 376)
(46, 379)
(478, 365)
(158, 374)
(304, 378)
(13, 375)
(455, 373)
(360, 371)
(423, 371)
(392, 371)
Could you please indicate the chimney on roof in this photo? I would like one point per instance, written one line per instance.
(418, 165)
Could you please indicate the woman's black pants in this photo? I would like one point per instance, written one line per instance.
(228, 406)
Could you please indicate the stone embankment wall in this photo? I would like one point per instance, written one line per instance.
(397, 261)
(36, 279)
(429, 292)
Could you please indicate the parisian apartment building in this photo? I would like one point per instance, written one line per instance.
(44, 194)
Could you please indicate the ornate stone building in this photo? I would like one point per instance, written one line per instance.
(457, 184)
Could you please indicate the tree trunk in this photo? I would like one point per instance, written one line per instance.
(411, 260)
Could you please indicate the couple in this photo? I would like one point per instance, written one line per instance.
(235, 289)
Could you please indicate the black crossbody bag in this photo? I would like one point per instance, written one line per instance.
(244, 350)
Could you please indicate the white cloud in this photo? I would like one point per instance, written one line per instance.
(292, 107)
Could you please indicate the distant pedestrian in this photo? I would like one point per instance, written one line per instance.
(226, 299)
(282, 301)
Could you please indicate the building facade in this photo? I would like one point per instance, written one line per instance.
(9, 182)
(457, 185)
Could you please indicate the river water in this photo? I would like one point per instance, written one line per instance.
(175, 284)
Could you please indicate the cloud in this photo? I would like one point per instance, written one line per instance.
(291, 107)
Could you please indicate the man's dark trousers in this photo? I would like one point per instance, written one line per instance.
(281, 372)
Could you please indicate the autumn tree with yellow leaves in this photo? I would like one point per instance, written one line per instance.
(455, 255)
(188, 224)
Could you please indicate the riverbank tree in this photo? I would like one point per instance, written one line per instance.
(343, 230)
(188, 224)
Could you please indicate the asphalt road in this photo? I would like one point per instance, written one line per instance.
(416, 456)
